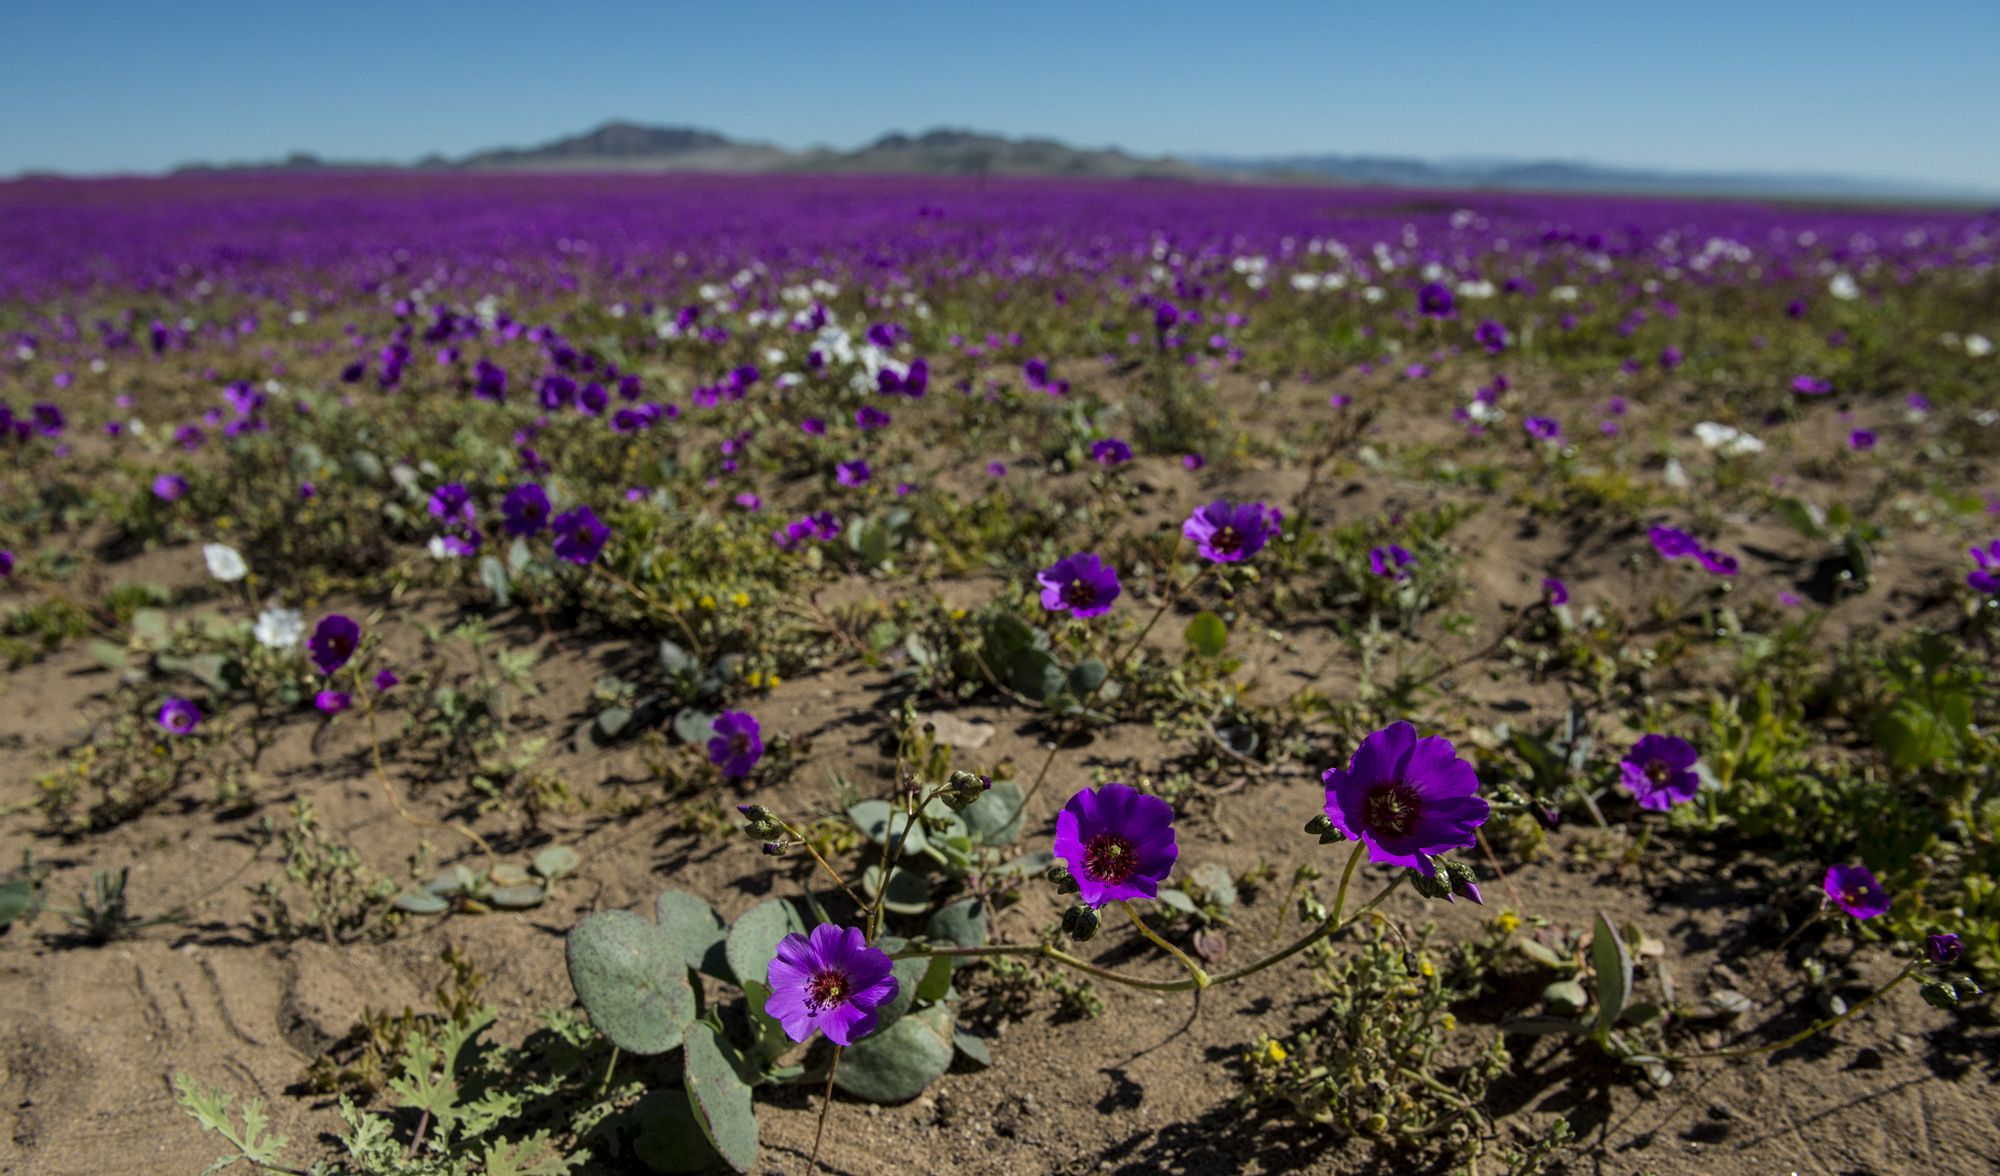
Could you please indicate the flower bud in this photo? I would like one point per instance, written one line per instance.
(773, 848)
(1080, 923)
(963, 789)
(1942, 948)
(1318, 825)
(1064, 880)
(763, 823)
(1463, 882)
(1429, 885)
(1939, 994)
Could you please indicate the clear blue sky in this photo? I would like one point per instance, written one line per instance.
(1904, 88)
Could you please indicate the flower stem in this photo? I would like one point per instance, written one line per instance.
(1794, 1039)
(1194, 969)
(891, 857)
(830, 871)
(825, 1109)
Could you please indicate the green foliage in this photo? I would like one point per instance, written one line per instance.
(324, 889)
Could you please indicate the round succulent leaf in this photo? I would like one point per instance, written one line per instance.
(720, 1098)
(631, 981)
(1088, 675)
(909, 977)
(694, 724)
(879, 821)
(895, 1064)
(995, 818)
(972, 1049)
(670, 1138)
(507, 874)
(518, 898)
(909, 892)
(421, 902)
(962, 922)
(936, 983)
(555, 861)
(697, 932)
(754, 940)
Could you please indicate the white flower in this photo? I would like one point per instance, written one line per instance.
(280, 628)
(225, 563)
(1843, 287)
(1727, 441)
(1674, 476)
(1978, 346)
(1483, 412)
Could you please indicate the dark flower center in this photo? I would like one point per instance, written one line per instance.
(1226, 539)
(1079, 593)
(1658, 771)
(1110, 858)
(739, 744)
(1394, 809)
(826, 989)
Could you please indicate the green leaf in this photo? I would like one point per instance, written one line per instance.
(696, 931)
(555, 861)
(611, 723)
(1806, 518)
(995, 818)
(493, 574)
(909, 892)
(518, 898)
(537, 1155)
(676, 662)
(972, 1049)
(1541, 953)
(1206, 634)
(631, 980)
(1565, 997)
(1088, 675)
(15, 898)
(670, 1137)
(935, 984)
(421, 902)
(754, 940)
(694, 724)
(909, 978)
(771, 1038)
(962, 922)
(894, 1065)
(111, 656)
(1613, 961)
(1037, 674)
(720, 1098)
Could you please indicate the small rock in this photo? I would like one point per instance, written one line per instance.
(959, 733)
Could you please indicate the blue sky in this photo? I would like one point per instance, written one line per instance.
(1909, 89)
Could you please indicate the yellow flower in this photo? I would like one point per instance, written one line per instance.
(1274, 1052)
(740, 600)
(1507, 922)
(1426, 968)
(707, 601)
(1450, 1022)
(771, 681)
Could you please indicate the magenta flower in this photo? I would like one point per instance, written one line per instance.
(1118, 843)
(1986, 577)
(1435, 300)
(869, 418)
(1811, 385)
(1223, 533)
(737, 745)
(179, 716)
(831, 982)
(334, 640)
(332, 702)
(1492, 336)
(1555, 591)
(169, 487)
(853, 473)
(1110, 452)
(813, 427)
(1861, 440)
(1672, 542)
(1943, 949)
(525, 510)
(1391, 561)
(1081, 585)
(1542, 428)
(385, 680)
(1854, 889)
(1406, 798)
(1717, 562)
(6, 564)
(1193, 461)
(451, 504)
(1658, 772)
(580, 535)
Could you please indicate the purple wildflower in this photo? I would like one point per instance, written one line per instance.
(6, 564)
(1391, 560)
(1110, 452)
(1118, 843)
(334, 640)
(1435, 300)
(1672, 542)
(332, 702)
(1861, 440)
(179, 716)
(1555, 591)
(1406, 798)
(386, 680)
(525, 510)
(1942, 949)
(1226, 533)
(169, 487)
(1081, 585)
(1811, 385)
(737, 745)
(831, 982)
(1854, 889)
(1542, 428)
(853, 473)
(869, 418)
(1986, 577)
(1193, 461)
(451, 504)
(1492, 336)
(580, 535)
(1658, 772)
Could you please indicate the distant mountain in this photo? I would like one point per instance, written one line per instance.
(633, 147)
(1569, 176)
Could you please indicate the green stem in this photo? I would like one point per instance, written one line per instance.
(889, 860)
(1794, 1039)
(1194, 969)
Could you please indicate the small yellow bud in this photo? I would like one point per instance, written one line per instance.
(740, 600)
(1450, 1022)
(707, 601)
(1507, 922)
